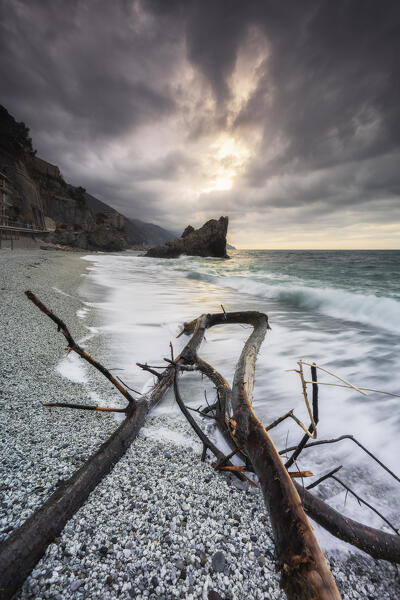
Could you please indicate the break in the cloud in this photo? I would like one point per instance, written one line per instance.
(283, 115)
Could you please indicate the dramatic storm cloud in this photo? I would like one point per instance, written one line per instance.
(283, 115)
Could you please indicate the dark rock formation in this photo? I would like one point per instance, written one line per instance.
(189, 229)
(209, 240)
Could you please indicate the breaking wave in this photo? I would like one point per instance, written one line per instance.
(372, 310)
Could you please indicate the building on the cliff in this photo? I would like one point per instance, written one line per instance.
(5, 201)
(44, 167)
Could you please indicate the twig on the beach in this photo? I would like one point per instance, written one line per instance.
(232, 468)
(376, 543)
(210, 408)
(313, 427)
(151, 369)
(72, 345)
(364, 389)
(279, 420)
(298, 474)
(314, 420)
(325, 370)
(321, 479)
(200, 412)
(127, 386)
(84, 407)
(235, 451)
(362, 501)
(339, 439)
(300, 424)
(221, 459)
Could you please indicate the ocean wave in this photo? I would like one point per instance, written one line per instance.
(369, 309)
(338, 303)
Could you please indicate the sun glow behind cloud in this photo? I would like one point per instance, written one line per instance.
(227, 156)
(228, 152)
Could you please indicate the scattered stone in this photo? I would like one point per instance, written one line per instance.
(218, 562)
(76, 584)
(213, 595)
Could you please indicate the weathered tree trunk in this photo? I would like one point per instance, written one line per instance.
(293, 535)
(305, 574)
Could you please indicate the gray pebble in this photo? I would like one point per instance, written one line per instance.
(218, 562)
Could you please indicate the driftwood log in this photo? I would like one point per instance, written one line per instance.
(304, 570)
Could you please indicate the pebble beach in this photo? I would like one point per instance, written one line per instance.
(162, 524)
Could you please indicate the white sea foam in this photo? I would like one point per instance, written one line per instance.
(163, 434)
(82, 313)
(372, 310)
(72, 368)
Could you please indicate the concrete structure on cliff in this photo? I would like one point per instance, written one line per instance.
(19, 228)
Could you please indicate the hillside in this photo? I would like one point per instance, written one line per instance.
(36, 195)
(154, 233)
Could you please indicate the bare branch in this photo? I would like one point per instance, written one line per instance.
(298, 474)
(84, 407)
(279, 420)
(151, 370)
(127, 386)
(76, 348)
(339, 439)
(321, 479)
(314, 422)
(361, 500)
(200, 412)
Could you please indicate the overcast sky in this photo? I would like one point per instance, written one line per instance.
(284, 115)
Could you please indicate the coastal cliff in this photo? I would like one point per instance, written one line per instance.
(37, 197)
(209, 240)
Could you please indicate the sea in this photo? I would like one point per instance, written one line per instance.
(339, 309)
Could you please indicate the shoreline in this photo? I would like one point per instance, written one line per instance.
(154, 525)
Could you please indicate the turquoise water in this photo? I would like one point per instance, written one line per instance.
(366, 271)
(339, 309)
(361, 286)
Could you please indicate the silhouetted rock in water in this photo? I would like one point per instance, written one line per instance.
(209, 240)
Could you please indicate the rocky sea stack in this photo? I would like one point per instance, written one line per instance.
(209, 240)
